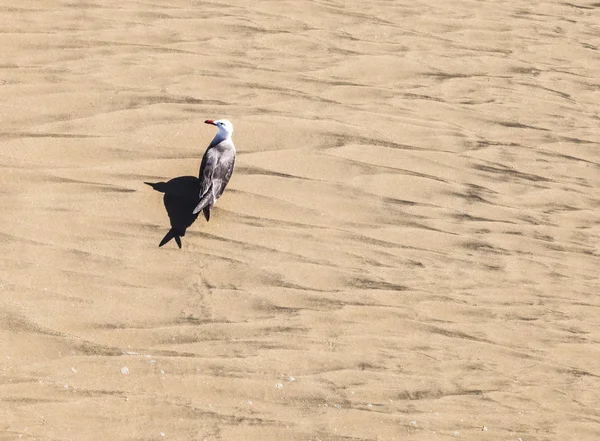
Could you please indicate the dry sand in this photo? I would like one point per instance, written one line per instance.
(408, 249)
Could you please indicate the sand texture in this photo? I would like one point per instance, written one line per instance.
(409, 248)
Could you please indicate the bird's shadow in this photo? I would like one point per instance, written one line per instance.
(180, 199)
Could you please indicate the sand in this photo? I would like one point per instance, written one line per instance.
(408, 248)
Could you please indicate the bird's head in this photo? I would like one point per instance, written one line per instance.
(225, 127)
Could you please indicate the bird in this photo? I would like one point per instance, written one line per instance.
(216, 167)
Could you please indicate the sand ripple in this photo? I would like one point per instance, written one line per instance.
(408, 248)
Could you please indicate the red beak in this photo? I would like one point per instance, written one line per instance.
(210, 121)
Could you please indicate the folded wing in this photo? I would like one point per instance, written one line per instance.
(215, 171)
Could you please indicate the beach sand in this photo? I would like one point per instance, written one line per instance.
(408, 248)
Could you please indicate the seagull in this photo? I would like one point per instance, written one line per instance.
(217, 166)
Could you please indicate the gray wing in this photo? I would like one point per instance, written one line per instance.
(222, 174)
(209, 161)
(215, 171)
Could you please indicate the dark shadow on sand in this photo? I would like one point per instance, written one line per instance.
(180, 199)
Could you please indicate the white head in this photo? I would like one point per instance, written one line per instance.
(225, 127)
